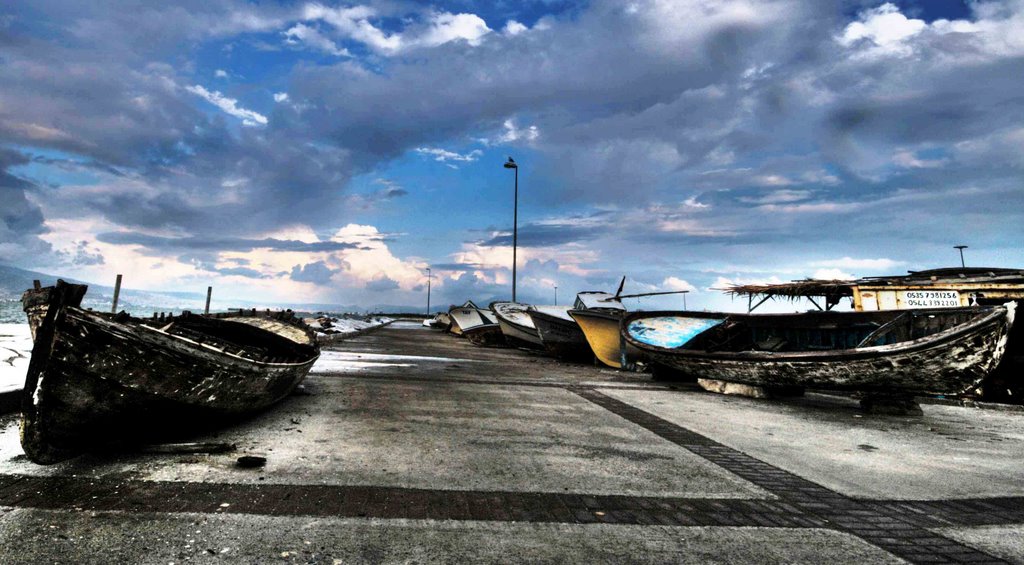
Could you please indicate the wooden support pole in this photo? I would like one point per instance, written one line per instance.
(209, 292)
(117, 294)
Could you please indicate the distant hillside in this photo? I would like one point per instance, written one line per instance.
(14, 281)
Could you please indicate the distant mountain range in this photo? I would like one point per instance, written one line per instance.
(14, 281)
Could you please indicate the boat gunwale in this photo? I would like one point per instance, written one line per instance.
(103, 321)
(508, 321)
(553, 319)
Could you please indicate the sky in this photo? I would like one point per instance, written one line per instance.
(333, 152)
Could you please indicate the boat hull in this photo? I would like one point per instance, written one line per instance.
(951, 361)
(520, 335)
(485, 335)
(560, 337)
(516, 324)
(93, 381)
(601, 330)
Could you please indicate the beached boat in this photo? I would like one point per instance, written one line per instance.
(911, 351)
(442, 321)
(474, 324)
(559, 333)
(97, 379)
(486, 334)
(601, 328)
(516, 324)
(453, 323)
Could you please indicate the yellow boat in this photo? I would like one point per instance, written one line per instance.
(601, 328)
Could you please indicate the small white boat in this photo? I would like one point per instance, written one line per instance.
(516, 323)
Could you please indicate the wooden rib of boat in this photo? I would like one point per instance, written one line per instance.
(96, 379)
(905, 351)
(516, 324)
(559, 333)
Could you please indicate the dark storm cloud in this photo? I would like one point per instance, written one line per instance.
(381, 284)
(222, 243)
(242, 272)
(21, 221)
(317, 273)
(544, 235)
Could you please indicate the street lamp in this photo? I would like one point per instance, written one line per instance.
(511, 164)
(961, 248)
(428, 291)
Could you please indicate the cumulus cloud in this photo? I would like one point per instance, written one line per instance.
(513, 27)
(443, 155)
(885, 28)
(301, 34)
(228, 106)
(677, 284)
(436, 28)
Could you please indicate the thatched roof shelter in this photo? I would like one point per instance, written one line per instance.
(832, 290)
(1009, 281)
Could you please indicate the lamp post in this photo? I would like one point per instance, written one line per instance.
(511, 164)
(961, 248)
(428, 291)
(556, 295)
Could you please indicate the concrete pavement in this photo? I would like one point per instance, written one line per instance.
(412, 446)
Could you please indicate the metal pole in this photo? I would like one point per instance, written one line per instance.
(428, 291)
(556, 295)
(961, 249)
(515, 232)
(209, 292)
(117, 294)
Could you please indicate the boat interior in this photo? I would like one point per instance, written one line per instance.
(222, 334)
(825, 331)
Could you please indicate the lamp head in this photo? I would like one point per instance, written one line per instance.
(511, 164)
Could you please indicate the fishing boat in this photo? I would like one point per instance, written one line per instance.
(453, 324)
(601, 330)
(946, 350)
(486, 334)
(97, 379)
(476, 323)
(442, 321)
(559, 333)
(598, 315)
(516, 324)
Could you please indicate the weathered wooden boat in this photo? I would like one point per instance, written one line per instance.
(474, 322)
(98, 379)
(945, 351)
(516, 324)
(453, 325)
(601, 328)
(442, 321)
(561, 333)
(486, 334)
